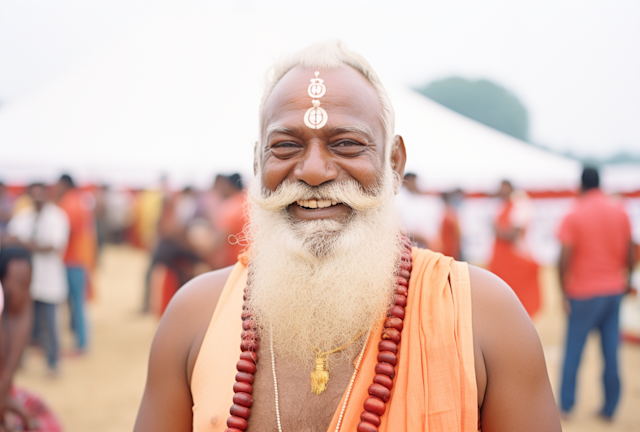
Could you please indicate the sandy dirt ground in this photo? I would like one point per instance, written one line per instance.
(101, 390)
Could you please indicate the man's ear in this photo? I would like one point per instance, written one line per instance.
(398, 158)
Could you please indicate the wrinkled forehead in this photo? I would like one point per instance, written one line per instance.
(349, 96)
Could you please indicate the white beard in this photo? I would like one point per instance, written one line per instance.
(318, 284)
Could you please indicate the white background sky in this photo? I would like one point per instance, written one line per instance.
(575, 64)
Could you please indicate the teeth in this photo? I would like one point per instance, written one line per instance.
(321, 203)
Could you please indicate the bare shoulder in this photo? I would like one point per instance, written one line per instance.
(190, 311)
(514, 388)
(166, 403)
(495, 305)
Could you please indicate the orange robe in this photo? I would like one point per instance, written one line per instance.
(515, 267)
(435, 385)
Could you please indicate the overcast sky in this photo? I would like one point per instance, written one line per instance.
(574, 64)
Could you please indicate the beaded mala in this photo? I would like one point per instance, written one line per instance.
(379, 391)
(246, 366)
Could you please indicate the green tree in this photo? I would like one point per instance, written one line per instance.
(483, 101)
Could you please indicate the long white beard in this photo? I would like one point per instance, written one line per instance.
(318, 284)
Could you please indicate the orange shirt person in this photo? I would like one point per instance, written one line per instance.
(80, 257)
(511, 259)
(317, 346)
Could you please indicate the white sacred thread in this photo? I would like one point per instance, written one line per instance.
(346, 398)
(353, 379)
(316, 117)
(275, 380)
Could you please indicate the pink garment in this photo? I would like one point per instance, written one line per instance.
(36, 408)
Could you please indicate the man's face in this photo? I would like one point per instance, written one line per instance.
(61, 188)
(38, 195)
(349, 147)
(505, 191)
(225, 187)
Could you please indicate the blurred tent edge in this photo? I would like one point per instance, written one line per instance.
(177, 96)
(449, 150)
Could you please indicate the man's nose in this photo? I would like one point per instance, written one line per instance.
(316, 167)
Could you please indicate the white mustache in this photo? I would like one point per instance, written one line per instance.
(348, 192)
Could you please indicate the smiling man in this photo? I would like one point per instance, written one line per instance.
(331, 320)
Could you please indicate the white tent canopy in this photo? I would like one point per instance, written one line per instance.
(623, 177)
(449, 150)
(180, 96)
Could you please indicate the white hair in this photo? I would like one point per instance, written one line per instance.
(331, 54)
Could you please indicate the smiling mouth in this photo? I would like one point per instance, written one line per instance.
(317, 203)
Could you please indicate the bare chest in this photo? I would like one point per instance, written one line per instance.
(300, 409)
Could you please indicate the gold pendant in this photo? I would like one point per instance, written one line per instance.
(320, 376)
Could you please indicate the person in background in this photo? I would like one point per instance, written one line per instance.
(420, 213)
(450, 227)
(119, 206)
(148, 206)
(511, 259)
(186, 207)
(80, 257)
(173, 261)
(230, 221)
(6, 207)
(43, 229)
(19, 408)
(211, 200)
(100, 215)
(596, 262)
(17, 317)
(17, 311)
(201, 233)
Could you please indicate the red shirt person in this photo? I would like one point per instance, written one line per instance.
(596, 235)
(595, 270)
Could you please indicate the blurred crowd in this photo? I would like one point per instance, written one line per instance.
(51, 237)
(596, 265)
(433, 222)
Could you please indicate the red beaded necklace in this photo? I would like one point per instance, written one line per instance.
(379, 391)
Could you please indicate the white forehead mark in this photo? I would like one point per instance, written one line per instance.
(316, 117)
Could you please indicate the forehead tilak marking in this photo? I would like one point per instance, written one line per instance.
(316, 117)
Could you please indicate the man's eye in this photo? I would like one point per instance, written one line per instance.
(285, 149)
(348, 148)
(285, 145)
(347, 143)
